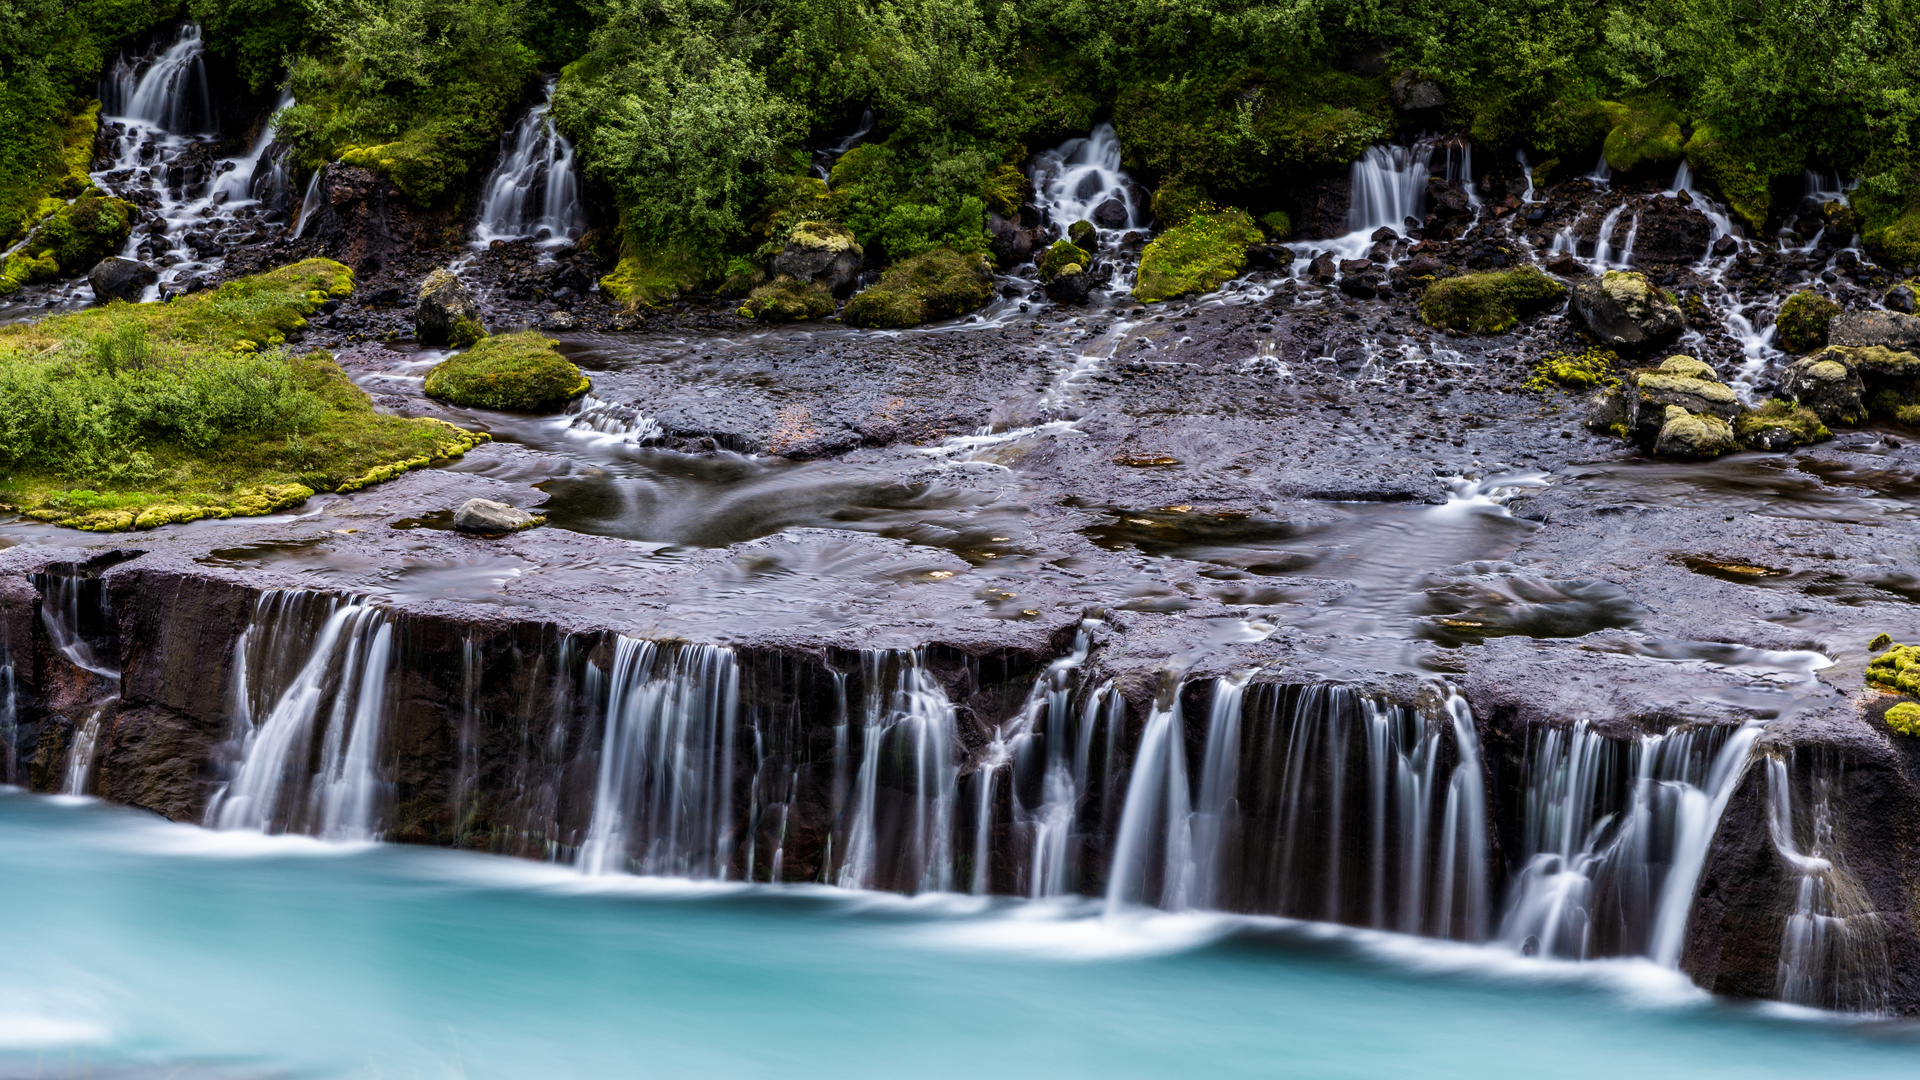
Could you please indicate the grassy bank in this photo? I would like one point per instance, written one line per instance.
(136, 415)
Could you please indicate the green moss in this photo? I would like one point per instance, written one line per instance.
(787, 300)
(1055, 260)
(1898, 239)
(651, 274)
(61, 154)
(1007, 187)
(1896, 669)
(1880, 641)
(1802, 322)
(465, 332)
(68, 238)
(938, 284)
(1644, 135)
(1594, 367)
(1757, 427)
(1197, 256)
(1083, 235)
(1278, 225)
(1904, 718)
(1173, 204)
(520, 372)
(1744, 169)
(136, 415)
(1490, 302)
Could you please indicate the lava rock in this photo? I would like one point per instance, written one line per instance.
(1070, 286)
(1111, 214)
(1424, 265)
(1447, 202)
(1889, 329)
(488, 516)
(1725, 246)
(1900, 299)
(1324, 269)
(120, 279)
(1827, 384)
(445, 313)
(1563, 264)
(1270, 256)
(1012, 240)
(1628, 313)
(821, 253)
(1669, 233)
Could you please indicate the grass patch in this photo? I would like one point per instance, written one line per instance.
(137, 415)
(521, 372)
(1488, 303)
(1197, 256)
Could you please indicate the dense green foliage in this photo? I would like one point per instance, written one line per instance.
(520, 371)
(142, 414)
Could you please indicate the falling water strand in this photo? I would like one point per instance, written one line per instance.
(908, 737)
(64, 598)
(80, 759)
(533, 191)
(1153, 849)
(1219, 791)
(1833, 947)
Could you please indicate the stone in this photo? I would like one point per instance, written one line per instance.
(1414, 94)
(1900, 299)
(1626, 312)
(445, 313)
(1360, 286)
(1424, 265)
(1012, 241)
(1350, 267)
(120, 279)
(1725, 246)
(821, 253)
(1827, 385)
(1323, 268)
(1111, 214)
(1689, 435)
(1270, 256)
(1890, 329)
(488, 516)
(1070, 286)
(1667, 232)
(1081, 234)
(1564, 264)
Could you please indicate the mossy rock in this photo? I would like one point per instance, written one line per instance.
(1897, 669)
(1490, 302)
(1778, 425)
(1083, 235)
(1904, 718)
(1802, 323)
(520, 372)
(1064, 253)
(1644, 136)
(1898, 238)
(651, 274)
(1197, 256)
(787, 300)
(1594, 367)
(1173, 204)
(933, 285)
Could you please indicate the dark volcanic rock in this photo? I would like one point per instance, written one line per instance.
(1627, 312)
(1668, 233)
(1889, 328)
(120, 279)
(363, 220)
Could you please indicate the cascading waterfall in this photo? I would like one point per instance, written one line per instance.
(662, 803)
(1833, 947)
(1072, 181)
(1153, 849)
(9, 717)
(533, 191)
(898, 831)
(67, 601)
(286, 780)
(1602, 260)
(170, 92)
(259, 176)
(1615, 834)
(590, 416)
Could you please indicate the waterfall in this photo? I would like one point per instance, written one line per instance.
(309, 202)
(898, 830)
(662, 803)
(533, 191)
(80, 757)
(169, 92)
(1602, 174)
(9, 717)
(592, 417)
(245, 180)
(67, 603)
(1833, 947)
(1603, 243)
(277, 785)
(1615, 833)
(1153, 849)
(1526, 170)
(1219, 790)
(1389, 186)
(1073, 180)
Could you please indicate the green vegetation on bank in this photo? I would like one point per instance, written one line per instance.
(135, 415)
(937, 284)
(521, 372)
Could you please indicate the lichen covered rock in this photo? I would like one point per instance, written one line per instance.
(1626, 312)
(821, 253)
(1780, 425)
(1897, 669)
(1904, 718)
(1061, 255)
(445, 313)
(1802, 323)
(1488, 303)
(1692, 435)
(520, 372)
(937, 284)
(1827, 385)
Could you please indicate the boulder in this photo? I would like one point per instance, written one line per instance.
(1081, 234)
(1270, 256)
(488, 516)
(821, 253)
(120, 279)
(1111, 214)
(1888, 329)
(1639, 408)
(444, 313)
(1828, 385)
(1323, 268)
(1689, 435)
(1626, 312)
(1803, 322)
(1447, 202)
(1414, 94)
(1670, 233)
(1900, 298)
(1070, 286)
(1564, 264)
(1780, 426)
(1012, 239)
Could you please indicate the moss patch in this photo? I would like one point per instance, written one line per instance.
(1594, 367)
(521, 372)
(136, 415)
(1779, 424)
(787, 300)
(1197, 256)
(1744, 169)
(651, 274)
(1488, 303)
(1644, 135)
(1896, 669)
(1803, 320)
(68, 238)
(1904, 718)
(938, 284)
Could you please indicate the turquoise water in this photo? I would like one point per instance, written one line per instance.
(136, 947)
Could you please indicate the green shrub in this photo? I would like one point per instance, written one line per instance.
(1744, 169)
(1490, 302)
(937, 284)
(1802, 323)
(1197, 256)
(521, 372)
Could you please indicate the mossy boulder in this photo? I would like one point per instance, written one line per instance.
(1063, 253)
(787, 300)
(1904, 718)
(1896, 669)
(1802, 323)
(653, 274)
(444, 313)
(937, 284)
(1626, 312)
(1641, 408)
(820, 253)
(1780, 425)
(1278, 225)
(1847, 384)
(1490, 302)
(1644, 136)
(1081, 234)
(1687, 434)
(1197, 256)
(520, 372)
